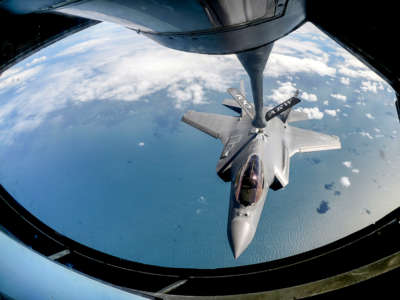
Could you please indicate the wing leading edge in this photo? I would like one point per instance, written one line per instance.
(218, 126)
(301, 140)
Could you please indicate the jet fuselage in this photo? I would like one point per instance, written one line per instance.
(268, 148)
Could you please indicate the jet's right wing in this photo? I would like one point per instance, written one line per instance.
(301, 140)
(218, 126)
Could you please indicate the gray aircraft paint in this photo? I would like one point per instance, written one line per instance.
(274, 145)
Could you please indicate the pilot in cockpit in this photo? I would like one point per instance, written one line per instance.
(248, 185)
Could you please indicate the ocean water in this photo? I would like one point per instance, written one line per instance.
(132, 180)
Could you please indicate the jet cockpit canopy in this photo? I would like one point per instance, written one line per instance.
(249, 182)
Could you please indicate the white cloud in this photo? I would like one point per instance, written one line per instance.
(330, 112)
(9, 72)
(136, 68)
(132, 77)
(339, 97)
(312, 113)
(355, 171)
(366, 134)
(352, 67)
(347, 164)
(309, 29)
(141, 144)
(199, 211)
(284, 92)
(36, 61)
(183, 93)
(202, 200)
(345, 80)
(368, 86)
(18, 77)
(25, 125)
(295, 54)
(280, 65)
(345, 181)
(133, 70)
(361, 103)
(83, 46)
(369, 116)
(139, 67)
(377, 130)
(308, 97)
(296, 45)
(347, 65)
(326, 102)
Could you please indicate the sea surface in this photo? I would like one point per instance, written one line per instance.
(127, 177)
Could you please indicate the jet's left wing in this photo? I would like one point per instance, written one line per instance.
(218, 126)
(301, 140)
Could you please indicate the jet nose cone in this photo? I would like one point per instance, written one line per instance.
(241, 236)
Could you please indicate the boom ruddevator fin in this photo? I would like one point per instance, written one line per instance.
(282, 108)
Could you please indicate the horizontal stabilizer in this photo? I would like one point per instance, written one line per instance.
(301, 140)
(218, 126)
(232, 104)
(246, 106)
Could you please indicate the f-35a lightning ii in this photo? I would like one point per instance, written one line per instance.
(256, 159)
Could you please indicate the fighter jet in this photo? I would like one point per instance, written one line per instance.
(256, 159)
